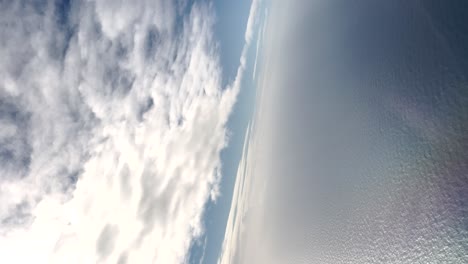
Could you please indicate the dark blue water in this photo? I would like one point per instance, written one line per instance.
(371, 159)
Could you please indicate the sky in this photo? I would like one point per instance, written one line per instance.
(219, 131)
(231, 17)
(115, 118)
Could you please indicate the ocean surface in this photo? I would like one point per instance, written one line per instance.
(368, 161)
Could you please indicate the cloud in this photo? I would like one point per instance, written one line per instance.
(239, 206)
(239, 203)
(112, 119)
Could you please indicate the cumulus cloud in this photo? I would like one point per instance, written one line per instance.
(112, 119)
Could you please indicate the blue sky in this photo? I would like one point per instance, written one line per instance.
(230, 29)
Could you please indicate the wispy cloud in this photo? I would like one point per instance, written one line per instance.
(234, 227)
(234, 224)
(112, 119)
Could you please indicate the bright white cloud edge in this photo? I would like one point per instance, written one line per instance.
(150, 164)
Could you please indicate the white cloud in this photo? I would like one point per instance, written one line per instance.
(112, 120)
(239, 205)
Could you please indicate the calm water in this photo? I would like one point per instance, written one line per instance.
(370, 153)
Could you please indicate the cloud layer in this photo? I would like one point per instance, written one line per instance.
(112, 119)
